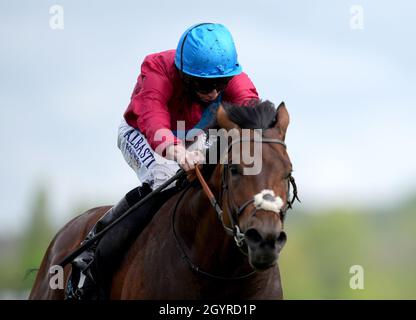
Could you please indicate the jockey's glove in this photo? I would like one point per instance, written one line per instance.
(187, 160)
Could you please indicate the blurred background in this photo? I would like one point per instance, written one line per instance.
(345, 69)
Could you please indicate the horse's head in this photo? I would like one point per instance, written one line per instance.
(255, 204)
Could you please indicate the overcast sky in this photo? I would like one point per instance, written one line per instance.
(350, 93)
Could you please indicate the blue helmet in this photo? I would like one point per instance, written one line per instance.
(207, 50)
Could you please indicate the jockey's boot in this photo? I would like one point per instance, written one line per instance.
(113, 246)
(82, 273)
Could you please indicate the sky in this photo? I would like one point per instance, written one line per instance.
(347, 77)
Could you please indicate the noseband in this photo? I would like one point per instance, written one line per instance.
(233, 211)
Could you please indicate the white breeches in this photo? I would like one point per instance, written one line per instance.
(149, 166)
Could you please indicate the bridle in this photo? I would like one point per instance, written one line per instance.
(233, 210)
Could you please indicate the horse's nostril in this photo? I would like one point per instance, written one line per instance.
(281, 239)
(253, 236)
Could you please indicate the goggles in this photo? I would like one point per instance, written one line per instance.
(207, 85)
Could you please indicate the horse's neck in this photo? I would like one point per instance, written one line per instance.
(209, 246)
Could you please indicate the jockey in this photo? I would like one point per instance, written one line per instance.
(186, 84)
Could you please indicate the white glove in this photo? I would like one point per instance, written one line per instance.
(187, 160)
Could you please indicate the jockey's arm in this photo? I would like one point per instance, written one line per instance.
(150, 103)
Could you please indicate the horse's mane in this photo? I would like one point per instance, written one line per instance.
(253, 115)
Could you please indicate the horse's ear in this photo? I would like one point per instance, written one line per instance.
(223, 120)
(282, 119)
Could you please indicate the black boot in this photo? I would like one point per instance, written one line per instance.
(82, 284)
(113, 247)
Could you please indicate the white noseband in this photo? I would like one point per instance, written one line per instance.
(266, 200)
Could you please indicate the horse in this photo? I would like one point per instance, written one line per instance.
(201, 248)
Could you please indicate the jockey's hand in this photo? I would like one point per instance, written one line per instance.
(187, 160)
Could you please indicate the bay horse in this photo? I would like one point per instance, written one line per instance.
(190, 250)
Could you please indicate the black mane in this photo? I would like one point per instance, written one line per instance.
(254, 115)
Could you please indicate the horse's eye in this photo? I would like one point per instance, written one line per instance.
(235, 170)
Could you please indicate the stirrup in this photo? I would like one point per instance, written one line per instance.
(86, 289)
(81, 284)
(81, 280)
